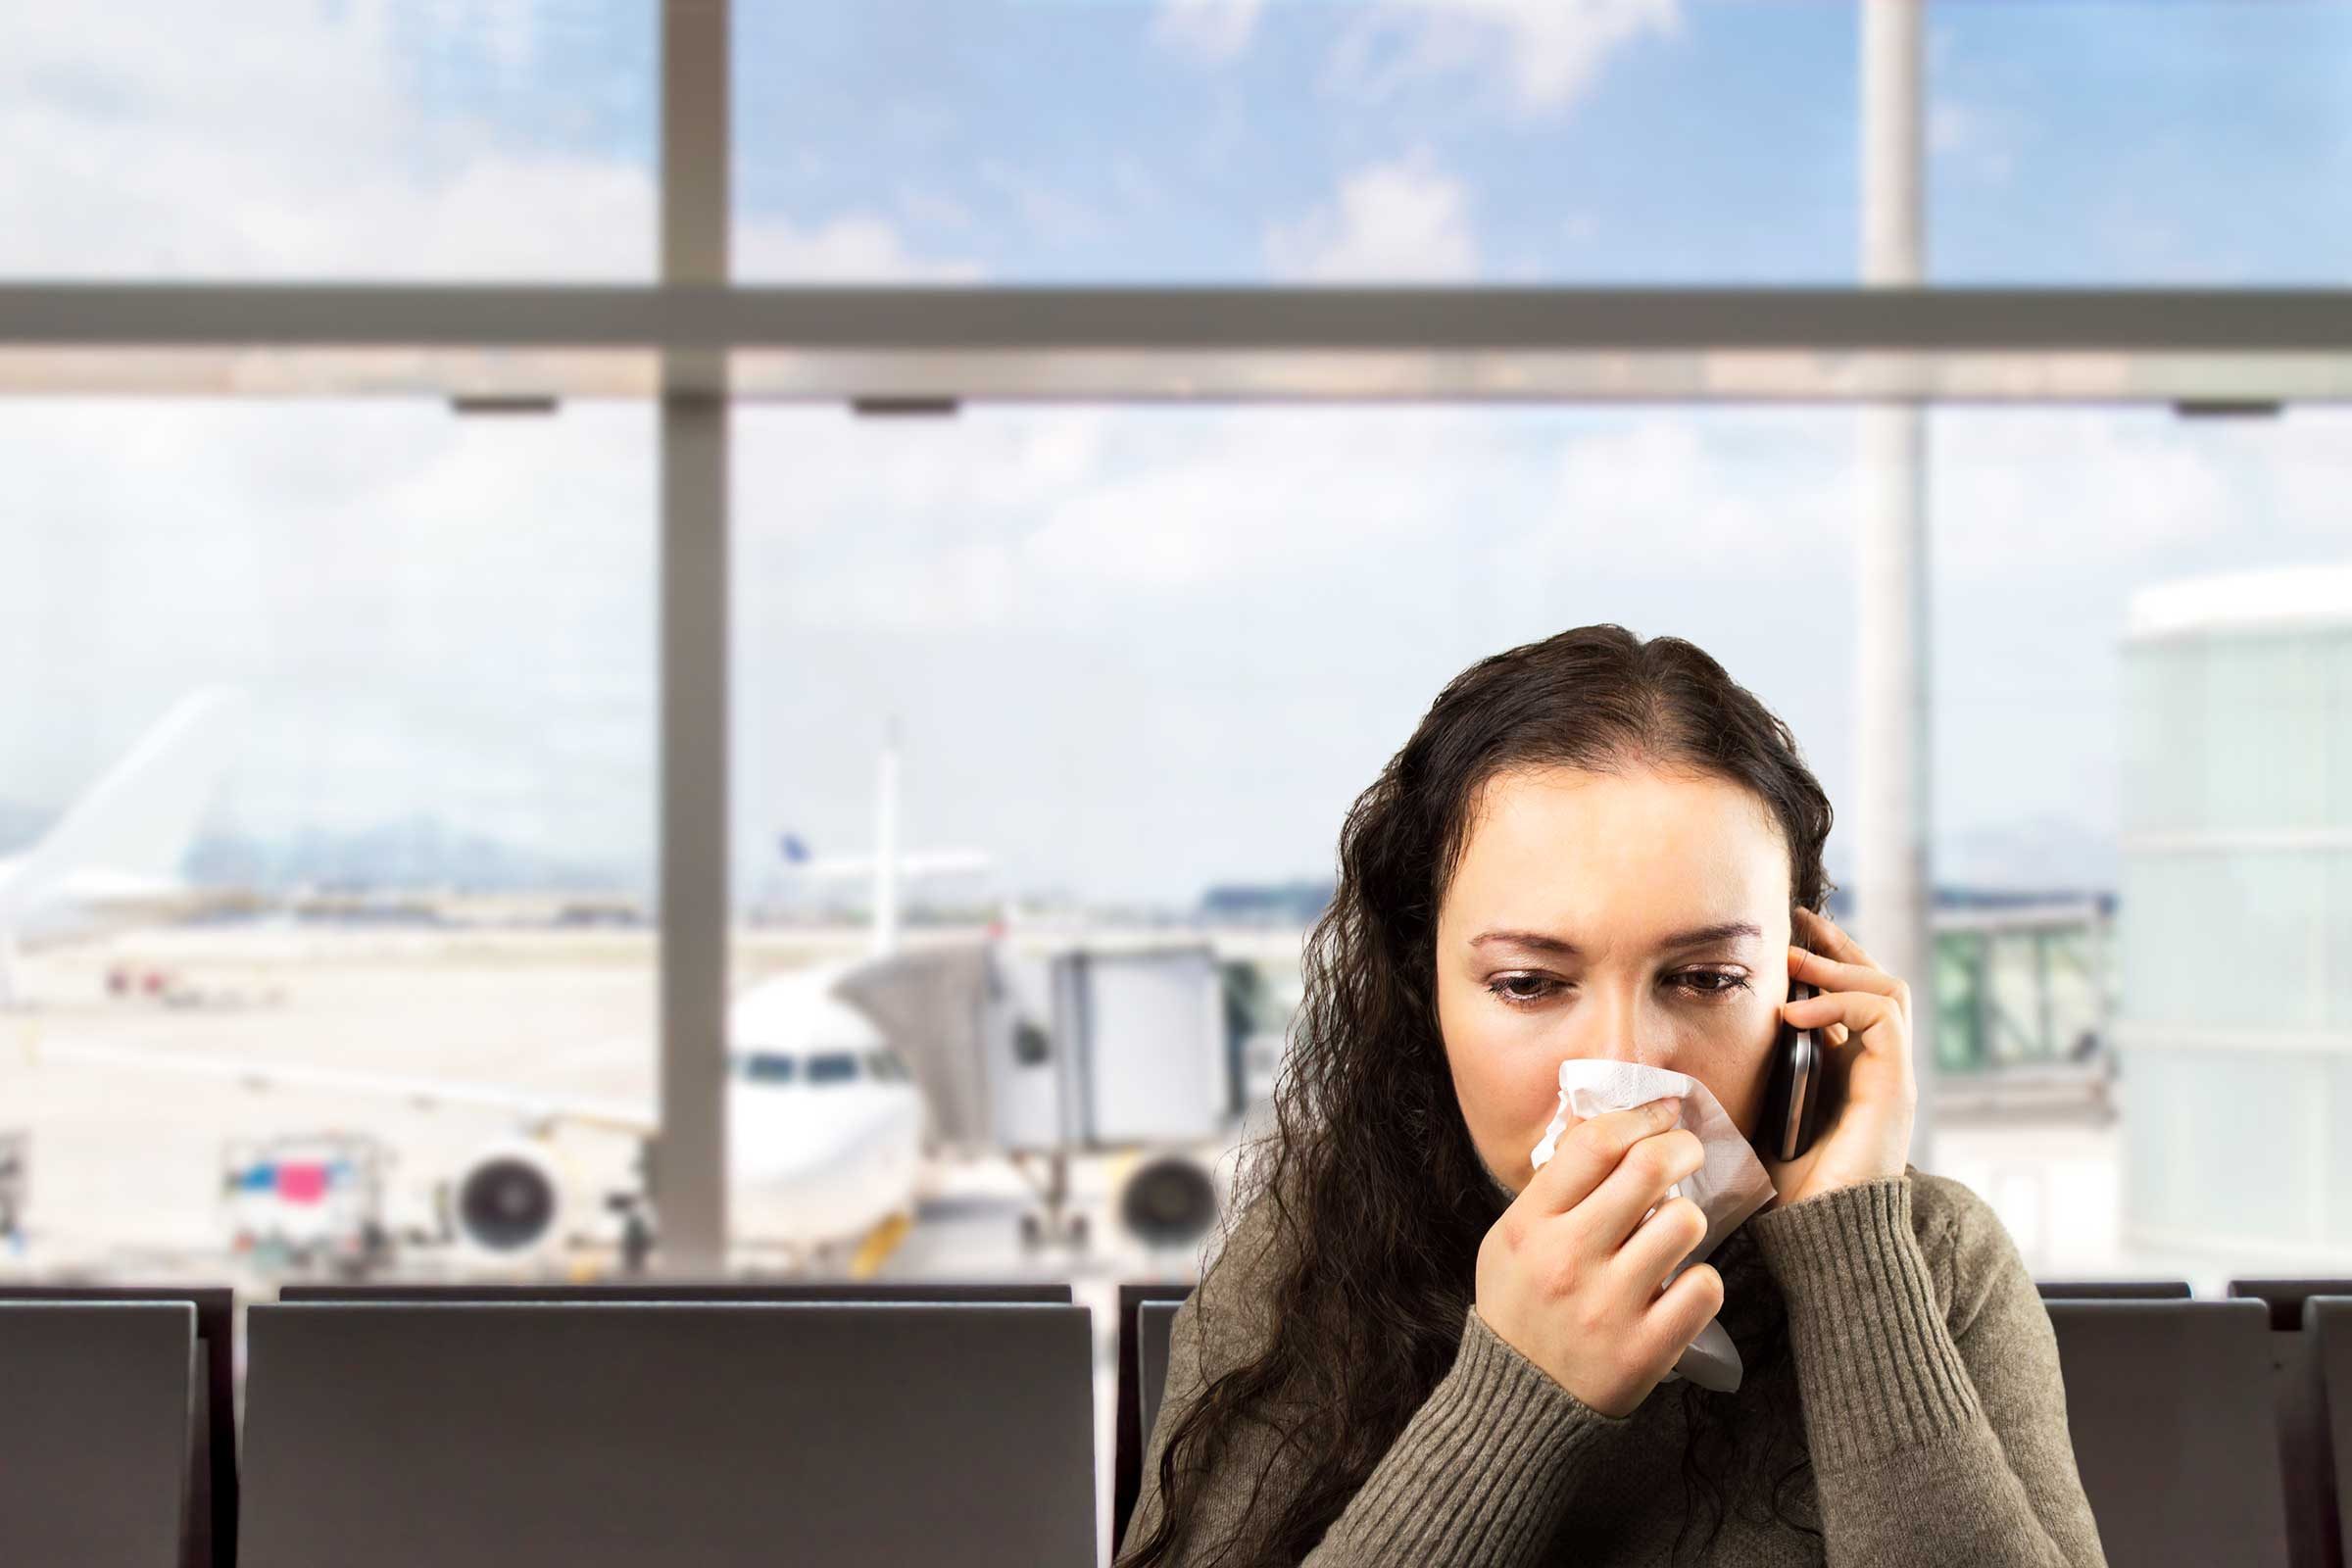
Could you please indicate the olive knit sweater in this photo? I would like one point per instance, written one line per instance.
(1920, 1354)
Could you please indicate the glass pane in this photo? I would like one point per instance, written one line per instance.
(1221, 142)
(295, 139)
(2188, 1182)
(391, 852)
(1121, 671)
(2200, 141)
(2193, 917)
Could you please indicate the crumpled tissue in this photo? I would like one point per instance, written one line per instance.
(1728, 1188)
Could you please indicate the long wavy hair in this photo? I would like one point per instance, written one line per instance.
(1379, 1197)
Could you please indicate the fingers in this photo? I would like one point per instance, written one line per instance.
(1636, 1186)
(1684, 1307)
(1825, 935)
(1830, 975)
(1835, 961)
(1590, 1152)
(1661, 1241)
(1860, 1011)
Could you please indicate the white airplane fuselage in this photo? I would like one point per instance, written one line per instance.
(825, 1127)
(822, 1164)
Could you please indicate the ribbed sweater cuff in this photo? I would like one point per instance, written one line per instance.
(1483, 1471)
(1876, 1365)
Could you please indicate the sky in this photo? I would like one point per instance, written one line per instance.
(1131, 652)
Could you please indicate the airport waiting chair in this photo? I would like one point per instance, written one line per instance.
(1155, 1321)
(98, 1433)
(2169, 1405)
(2301, 1415)
(2285, 1296)
(213, 1458)
(1131, 1430)
(722, 1433)
(2113, 1290)
(2327, 1329)
(773, 1292)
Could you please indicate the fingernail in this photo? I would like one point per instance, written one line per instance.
(1670, 1107)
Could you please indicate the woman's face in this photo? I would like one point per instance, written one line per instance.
(1578, 925)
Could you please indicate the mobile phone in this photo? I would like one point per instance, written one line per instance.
(1794, 1092)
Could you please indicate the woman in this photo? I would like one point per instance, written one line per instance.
(1412, 1349)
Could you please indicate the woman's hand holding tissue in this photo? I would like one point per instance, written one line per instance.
(1569, 1275)
(1871, 1138)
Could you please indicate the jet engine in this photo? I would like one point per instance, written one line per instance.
(508, 1202)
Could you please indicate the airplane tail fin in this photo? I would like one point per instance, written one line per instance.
(139, 820)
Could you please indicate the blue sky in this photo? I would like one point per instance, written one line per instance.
(1063, 140)
(1134, 652)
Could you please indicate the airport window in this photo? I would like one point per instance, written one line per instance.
(2216, 169)
(1176, 145)
(361, 724)
(1190, 636)
(944, 163)
(832, 1067)
(348, 142)
(383, 679)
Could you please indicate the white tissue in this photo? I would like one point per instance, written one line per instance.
(1729, 1187)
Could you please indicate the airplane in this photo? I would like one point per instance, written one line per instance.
(826, 1123)
(115, 855)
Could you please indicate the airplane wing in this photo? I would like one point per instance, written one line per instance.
(919, 862)
(98, 889)
(427, 1094)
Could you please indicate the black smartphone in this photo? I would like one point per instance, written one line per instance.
(1794, 1093)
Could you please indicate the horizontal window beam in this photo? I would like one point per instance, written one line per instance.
(2196, 349)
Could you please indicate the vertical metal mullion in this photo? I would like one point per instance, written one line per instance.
(1893, 865)
(690, 1157)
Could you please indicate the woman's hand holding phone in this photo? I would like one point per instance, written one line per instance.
(1570, 1275)
(1862, 1016)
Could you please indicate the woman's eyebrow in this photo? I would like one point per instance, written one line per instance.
(1696, 937)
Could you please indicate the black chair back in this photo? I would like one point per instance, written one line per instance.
(727, 1435)
(2169, 1405)
(1129, 1429)
(1152, 1323)
(214, 1484)
(2113, 1290)
(98, 1433)
(2328, 1328)
(2298, 1411)
(768, 1290)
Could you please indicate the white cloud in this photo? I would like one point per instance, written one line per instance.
(1399, 221)
(1047, 214)
(293, 145)
(2069, 488)
(1551, 50)
(1749, 490)
(850, 249)
(1983, 140)
(1211, 29)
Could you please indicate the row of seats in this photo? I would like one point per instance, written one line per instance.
(725, 1424)
(2202, 1429)
(741, 1422)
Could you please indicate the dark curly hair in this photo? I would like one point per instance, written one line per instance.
(1379, 1197)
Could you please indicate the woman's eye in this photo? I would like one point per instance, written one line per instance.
(1521, 989)
(1526, 990)
(1712, 982)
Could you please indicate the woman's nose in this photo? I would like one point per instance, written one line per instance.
(1623, 1029)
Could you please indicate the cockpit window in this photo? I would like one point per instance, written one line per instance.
(883, 1068)
(832, 1067)
(767, 1067)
